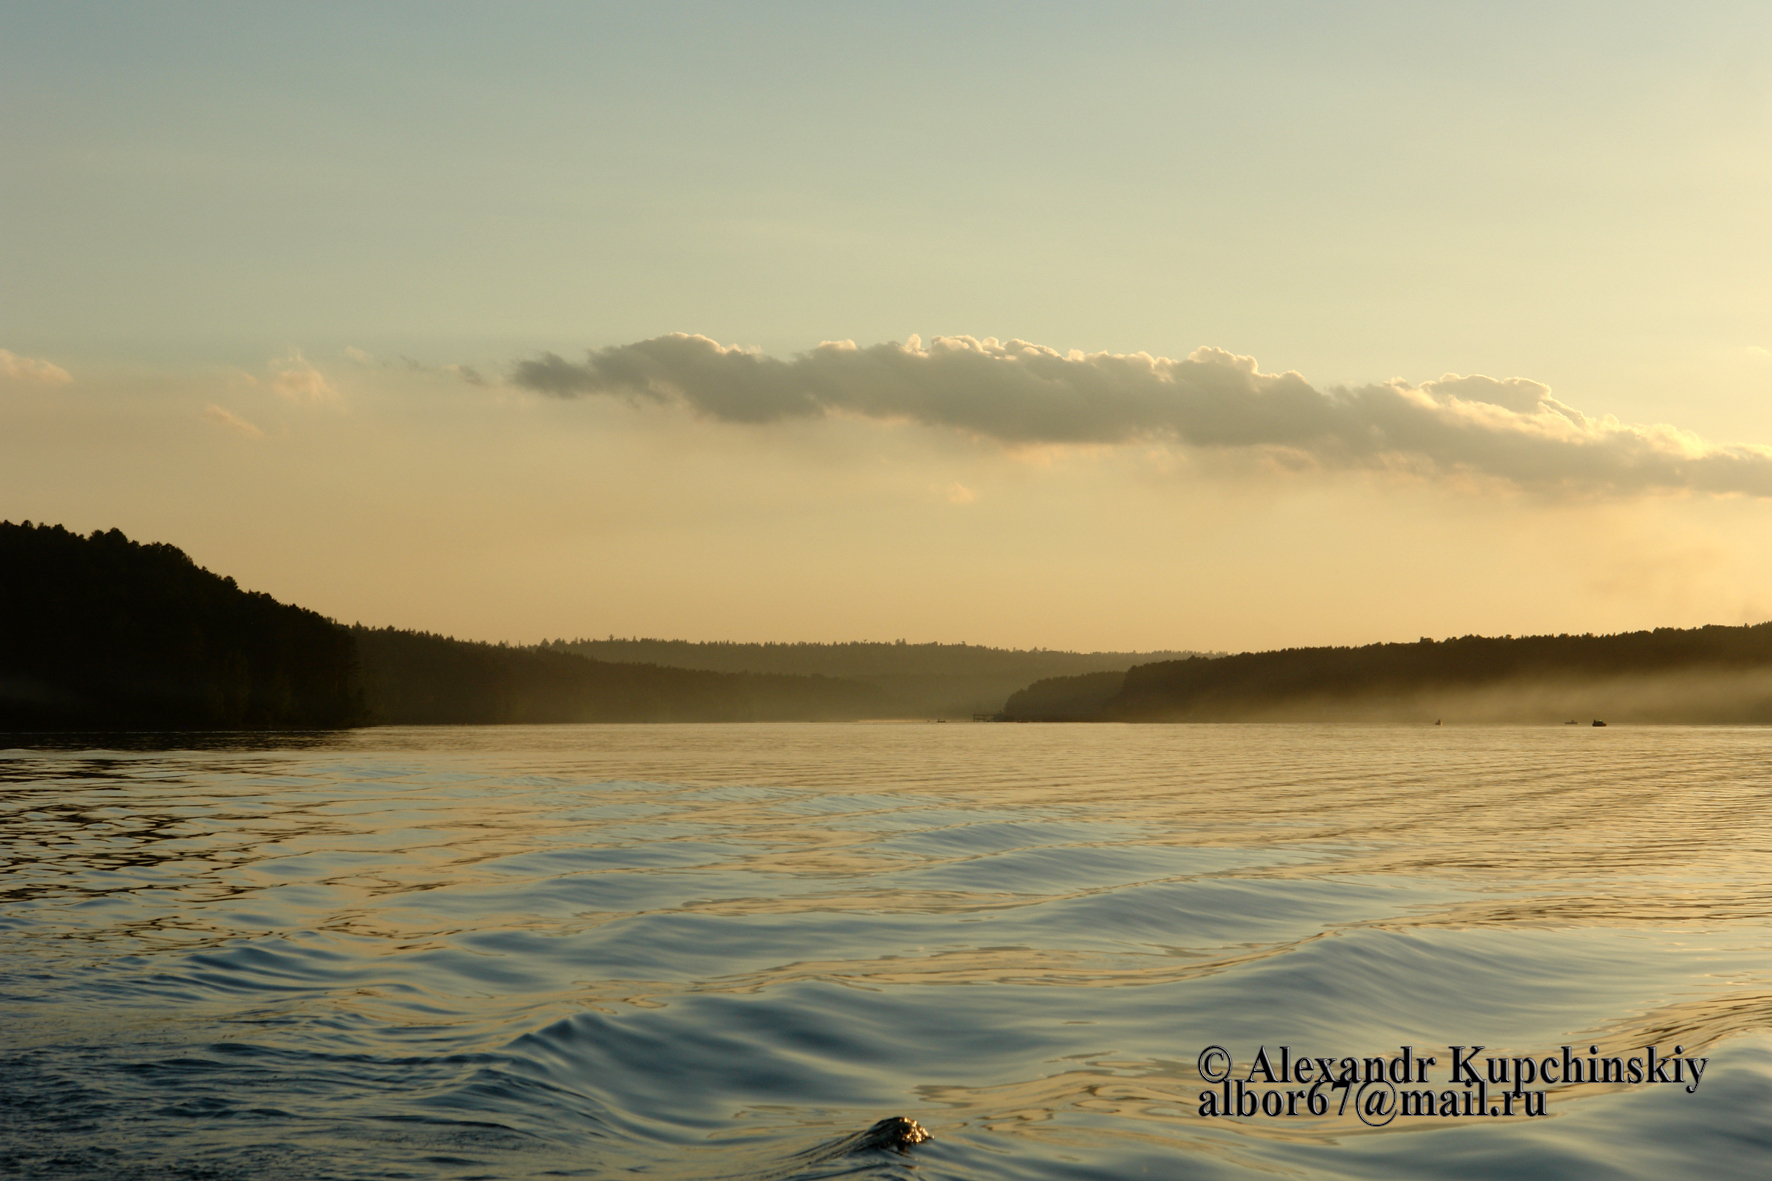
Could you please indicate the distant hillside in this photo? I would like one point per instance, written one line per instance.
(416, 678)
(922, 680)
(1698, 675)
(1065, 699)
(102, 632)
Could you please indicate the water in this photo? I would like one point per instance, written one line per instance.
(716, 952)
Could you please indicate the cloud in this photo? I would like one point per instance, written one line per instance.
(299, 381)
(1515, 393)
(16, 368)
(1026, 394)
(369, 360)
(958, 493)
(232, 421)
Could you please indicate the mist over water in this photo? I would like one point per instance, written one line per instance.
(722, 951)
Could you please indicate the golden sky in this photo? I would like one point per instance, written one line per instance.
(1215, 326)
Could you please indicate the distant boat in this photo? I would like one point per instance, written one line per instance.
(1571, 722)
(1598, 722)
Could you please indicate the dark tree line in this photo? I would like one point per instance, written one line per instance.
(916, 680)
(105, 633)
(1256, 684)
(417, 678)
(859, 658)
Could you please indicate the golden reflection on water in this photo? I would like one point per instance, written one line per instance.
(479, 880)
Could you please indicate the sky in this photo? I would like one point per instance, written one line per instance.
(1217, 326)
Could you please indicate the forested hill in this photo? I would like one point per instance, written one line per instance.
(923, 680)
(1707, 674)
(860, 658)
(414, 677)
(102, 632)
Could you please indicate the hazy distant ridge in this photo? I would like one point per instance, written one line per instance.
(417, 678)
(921, 680)
(860, 658)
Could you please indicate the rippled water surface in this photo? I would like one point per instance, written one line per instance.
(707, 951)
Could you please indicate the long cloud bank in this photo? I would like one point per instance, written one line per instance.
(1021, 393)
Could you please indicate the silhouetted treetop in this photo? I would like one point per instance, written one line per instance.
(101, 632)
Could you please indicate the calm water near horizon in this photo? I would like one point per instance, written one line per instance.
(718, 951)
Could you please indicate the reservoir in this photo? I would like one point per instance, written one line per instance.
(714, 951)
